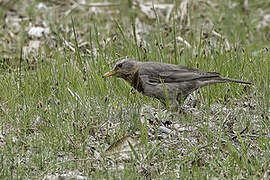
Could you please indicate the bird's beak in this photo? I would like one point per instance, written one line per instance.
(111, 73)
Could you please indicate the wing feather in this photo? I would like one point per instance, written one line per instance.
(167, 73)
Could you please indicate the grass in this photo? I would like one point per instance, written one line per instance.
(58, 115)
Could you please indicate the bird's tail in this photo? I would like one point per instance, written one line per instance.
(236, 81)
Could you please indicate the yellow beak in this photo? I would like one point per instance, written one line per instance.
(108, 74)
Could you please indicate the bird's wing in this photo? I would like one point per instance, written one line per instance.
(181, 76)
(165, 73)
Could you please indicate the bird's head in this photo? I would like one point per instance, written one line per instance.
(123, 68)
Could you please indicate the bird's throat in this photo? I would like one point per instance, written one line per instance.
(136, 82)
(129, 77)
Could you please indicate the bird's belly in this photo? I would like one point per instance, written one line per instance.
(162, 91)
(170, 90)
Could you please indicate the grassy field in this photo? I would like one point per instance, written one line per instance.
(59, 118)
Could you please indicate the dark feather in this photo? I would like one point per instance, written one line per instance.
(150, 78)
(167, 73)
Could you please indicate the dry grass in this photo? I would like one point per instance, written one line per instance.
(60, 118)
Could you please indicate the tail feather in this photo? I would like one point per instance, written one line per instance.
(236, 81)
(213, 80)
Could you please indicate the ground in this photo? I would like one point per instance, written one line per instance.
(60, 119)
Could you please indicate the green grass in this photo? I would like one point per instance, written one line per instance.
(57, 112)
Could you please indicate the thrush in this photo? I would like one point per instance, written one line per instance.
(166, 82)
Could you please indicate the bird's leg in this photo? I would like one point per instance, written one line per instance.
(180, 100)
(171, 105)
(174, 105)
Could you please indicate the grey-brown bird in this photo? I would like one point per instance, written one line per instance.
(166, 82)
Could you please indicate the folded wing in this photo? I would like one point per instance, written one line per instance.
(174, 74)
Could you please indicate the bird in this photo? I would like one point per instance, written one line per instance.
(169, 83)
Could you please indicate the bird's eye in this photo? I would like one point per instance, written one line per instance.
(119, 65)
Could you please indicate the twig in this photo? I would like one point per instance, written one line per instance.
(97, 4)
(68, 44)
(235, 136)
(75, 95)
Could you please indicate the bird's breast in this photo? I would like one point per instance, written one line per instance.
(137, 82)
